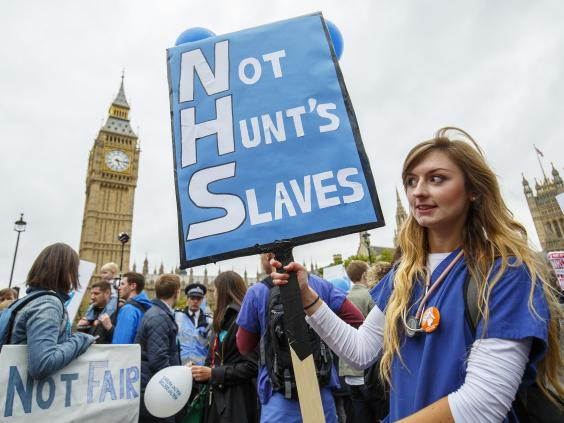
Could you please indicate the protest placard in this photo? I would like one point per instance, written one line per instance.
(560, 200)
(101, 385)
(85, 271)
(556, 258)
(266, 143)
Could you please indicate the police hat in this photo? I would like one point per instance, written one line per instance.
(195, 290)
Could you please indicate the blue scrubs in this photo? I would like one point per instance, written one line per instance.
(252, 317)
(435, 363)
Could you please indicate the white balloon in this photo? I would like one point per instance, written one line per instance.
(168, 391)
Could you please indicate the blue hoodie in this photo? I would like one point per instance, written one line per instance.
(129, 319)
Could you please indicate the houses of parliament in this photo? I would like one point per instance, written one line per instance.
(111, 181)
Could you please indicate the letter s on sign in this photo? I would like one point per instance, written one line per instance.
(198, 191)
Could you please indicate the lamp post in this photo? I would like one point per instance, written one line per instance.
(123, 237)
(366, 237)
(19, 227)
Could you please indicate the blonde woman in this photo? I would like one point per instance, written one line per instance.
(438, 367)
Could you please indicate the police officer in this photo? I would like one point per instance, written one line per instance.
(194, 326)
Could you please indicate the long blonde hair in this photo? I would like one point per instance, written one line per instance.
(490, 233)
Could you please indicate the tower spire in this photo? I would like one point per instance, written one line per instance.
(401, 216)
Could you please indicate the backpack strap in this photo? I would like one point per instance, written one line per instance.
(268, 282)
(138, 305)
(262, 349)
(21, 303)
(471, 310)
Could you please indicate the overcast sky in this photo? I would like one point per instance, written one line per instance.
(494, 68)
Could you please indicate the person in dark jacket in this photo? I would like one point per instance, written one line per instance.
(157, 337)
(100, 300)
(231, 376)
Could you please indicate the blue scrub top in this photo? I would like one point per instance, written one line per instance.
(435, 363)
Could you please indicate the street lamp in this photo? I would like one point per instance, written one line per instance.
(366, 237)
(19, 227)
(123, 237)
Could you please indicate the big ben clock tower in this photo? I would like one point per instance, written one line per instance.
(111, 179)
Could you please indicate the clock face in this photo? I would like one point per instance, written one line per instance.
(117, 160)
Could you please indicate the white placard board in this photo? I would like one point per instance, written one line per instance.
(101, 385)
(334, 272)
(85, 271)
(560, 199)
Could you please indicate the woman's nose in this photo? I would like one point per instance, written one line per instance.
(420, 189)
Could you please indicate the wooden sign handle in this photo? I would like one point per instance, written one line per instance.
(300, 348)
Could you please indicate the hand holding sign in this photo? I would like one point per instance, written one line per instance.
(168, 391)
(308, 295)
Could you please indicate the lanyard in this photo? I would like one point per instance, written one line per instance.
(428, 291)
(429, 320)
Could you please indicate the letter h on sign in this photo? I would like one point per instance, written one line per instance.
(194, 62)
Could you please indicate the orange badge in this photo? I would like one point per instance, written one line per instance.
(431, 319)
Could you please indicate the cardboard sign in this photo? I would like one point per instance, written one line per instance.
(266, 143)
(101, 385)
(560, 200)
(334, 272)
(556, 258)
(85, 271)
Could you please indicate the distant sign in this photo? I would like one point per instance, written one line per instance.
(557, 260)
(85, 271)
(266, 143)
(560, 199)
(334, 272)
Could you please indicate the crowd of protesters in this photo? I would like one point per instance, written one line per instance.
(377, 352)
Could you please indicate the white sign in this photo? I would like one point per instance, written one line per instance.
(101, 385)
(85, 271)
(560, 199)
(557, 260)
(334, 272)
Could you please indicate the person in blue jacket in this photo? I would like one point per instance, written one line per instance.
(43, 324)
(439, 366)
(130, 315)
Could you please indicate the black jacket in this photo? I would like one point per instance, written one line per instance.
(157, 337)
(233, 380)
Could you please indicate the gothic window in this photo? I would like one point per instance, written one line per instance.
(557, 229)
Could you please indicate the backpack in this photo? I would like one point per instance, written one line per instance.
(275, 353)
(531, 405)
(8, 316)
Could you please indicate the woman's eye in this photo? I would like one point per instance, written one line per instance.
(437, 179)
(410, 182)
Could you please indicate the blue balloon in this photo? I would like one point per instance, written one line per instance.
(193, 34)
(341, 283)
(336, 37)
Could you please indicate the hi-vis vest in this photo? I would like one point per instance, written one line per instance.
(194, 340)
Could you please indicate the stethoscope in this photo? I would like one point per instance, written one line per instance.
(414, 323)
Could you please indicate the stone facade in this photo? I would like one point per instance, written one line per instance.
(545, 210)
